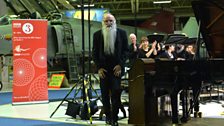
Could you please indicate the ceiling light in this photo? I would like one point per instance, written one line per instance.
(162, 2)
(86, 5)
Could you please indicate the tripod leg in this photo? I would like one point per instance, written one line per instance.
(95, 78)
(63, 100)
(88, 101)
(93, 87)
(95, 91)
(76, 93)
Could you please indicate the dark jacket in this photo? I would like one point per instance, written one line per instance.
(167, 56)
(121, 50)
(132, 55)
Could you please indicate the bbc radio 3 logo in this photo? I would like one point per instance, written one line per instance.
(27, 28)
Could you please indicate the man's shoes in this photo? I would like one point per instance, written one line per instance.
(184, 119)
(115, 123)
(109, 122)
(175, 120)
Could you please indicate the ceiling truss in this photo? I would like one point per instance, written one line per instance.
(125, 9)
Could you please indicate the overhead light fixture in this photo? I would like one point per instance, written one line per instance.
(162, 2)
(86, 5)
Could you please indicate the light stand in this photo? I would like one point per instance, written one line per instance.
(83, 49)
(90, 54)
(89, 38)
(85, 79)
(85, 91)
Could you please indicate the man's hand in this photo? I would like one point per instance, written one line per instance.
(101, 73)
(117, 70)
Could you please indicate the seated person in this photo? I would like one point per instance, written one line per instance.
(169, 53)
(185, 53)
(190, 52)
(146, 51)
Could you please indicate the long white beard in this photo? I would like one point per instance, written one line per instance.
(109, 36)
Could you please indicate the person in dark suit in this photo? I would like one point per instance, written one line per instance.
(110, 48)
(133, 49)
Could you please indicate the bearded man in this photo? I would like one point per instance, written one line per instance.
(110, 48)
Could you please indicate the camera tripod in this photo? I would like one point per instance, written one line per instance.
(78, 87)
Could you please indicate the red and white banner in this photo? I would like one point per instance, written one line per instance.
(29, 61)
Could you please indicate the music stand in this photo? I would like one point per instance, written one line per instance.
(158, 38)
(175, 39)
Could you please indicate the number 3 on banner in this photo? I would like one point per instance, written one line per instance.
(27, 28)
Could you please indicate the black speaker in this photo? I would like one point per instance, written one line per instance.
(73, 109)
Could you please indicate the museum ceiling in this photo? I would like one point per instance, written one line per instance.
(125, 9)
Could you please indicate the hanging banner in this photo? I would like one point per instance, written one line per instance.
(29, 61)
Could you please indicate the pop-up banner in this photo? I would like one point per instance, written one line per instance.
(29, 61)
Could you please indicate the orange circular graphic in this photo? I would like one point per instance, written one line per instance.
(23, 72)
(39, 57)
(39, 90)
